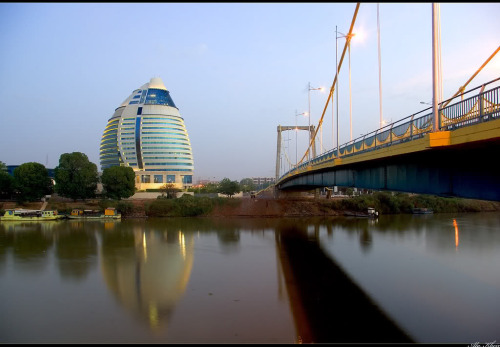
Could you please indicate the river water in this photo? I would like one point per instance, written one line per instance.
(404, 278)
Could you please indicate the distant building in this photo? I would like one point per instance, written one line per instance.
(205, 182)
(261, 181)
(11, 168)
(148, 134)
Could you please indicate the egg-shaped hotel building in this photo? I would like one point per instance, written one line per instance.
(147, 133)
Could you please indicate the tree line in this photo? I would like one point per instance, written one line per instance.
(75, 177)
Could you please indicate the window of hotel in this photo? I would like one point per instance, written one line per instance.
(146, 179)
(159, 97)
(158, 178)
(187, 179)
(170, 178)
(143, 96)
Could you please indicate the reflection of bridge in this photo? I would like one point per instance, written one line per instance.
(327, 306)
(457, 160)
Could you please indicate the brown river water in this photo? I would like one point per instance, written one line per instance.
(403, 278)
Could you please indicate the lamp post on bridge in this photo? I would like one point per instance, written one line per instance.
(348, 39)
(296, 131)
(309, 99)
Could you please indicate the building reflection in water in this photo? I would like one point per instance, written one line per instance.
(147, 270)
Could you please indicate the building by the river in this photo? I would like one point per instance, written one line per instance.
(147, 133)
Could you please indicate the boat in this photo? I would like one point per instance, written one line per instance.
(422, 210)
(23, 215)
(370, 213)
(109, 213)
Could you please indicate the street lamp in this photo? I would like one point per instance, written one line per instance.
(296, 131)
(309, 98)
(348, 39)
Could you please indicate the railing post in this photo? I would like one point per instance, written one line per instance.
(439, 119)
(481, 105)
(411, 127)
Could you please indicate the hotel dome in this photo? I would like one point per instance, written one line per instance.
(147, 133)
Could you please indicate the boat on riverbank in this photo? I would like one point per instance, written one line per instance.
(109, 213)
(23, 215)
(422, 210)
(370, 213)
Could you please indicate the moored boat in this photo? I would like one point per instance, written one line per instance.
(30, 215)
(370, 213)
(422, 210)
(109, 213)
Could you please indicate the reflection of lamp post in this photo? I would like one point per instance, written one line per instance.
(309, 98)
(348, 39)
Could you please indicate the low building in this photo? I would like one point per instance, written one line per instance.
(263, 181)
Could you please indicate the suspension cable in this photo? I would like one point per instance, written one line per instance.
(347, 43)
(462, 88)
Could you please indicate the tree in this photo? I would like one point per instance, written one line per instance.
(32, 181)
(76, 177)
(228, 187)
(118, 182)
(170, 189)
(3, 167)
(6, 184)
(247, 185)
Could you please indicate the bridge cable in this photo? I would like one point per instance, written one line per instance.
(347, 43)
(462, 88)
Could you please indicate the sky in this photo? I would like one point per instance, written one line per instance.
(235, 71)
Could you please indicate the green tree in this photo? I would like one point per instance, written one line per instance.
(170, 189)
(118, 182)
(247, 185)
(76, 177)
(210, 188)
(228, 187)
(32, 181)
(3, 167)
(6, 184)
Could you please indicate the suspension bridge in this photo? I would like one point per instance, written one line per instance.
(448, 149)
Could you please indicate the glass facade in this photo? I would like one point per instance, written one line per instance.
(109, 152)
(148, 133)
(159, 97)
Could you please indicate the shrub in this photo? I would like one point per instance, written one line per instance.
(185, 206)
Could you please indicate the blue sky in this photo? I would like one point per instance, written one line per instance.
(235, 70)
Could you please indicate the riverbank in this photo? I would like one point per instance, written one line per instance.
(189, 206)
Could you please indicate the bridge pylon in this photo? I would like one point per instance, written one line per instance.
(281, 128)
